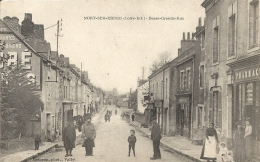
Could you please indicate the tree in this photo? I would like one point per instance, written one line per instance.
(163, 59)
(20, 102)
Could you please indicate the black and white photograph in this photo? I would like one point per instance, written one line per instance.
(129, 81)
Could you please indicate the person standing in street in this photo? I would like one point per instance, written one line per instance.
(131, 140)
(248, 141)
(239, 143)
(69, 138)
(209, 150)
(88, 134)
(37, 140)
(80, 123)
(156, 137)
(133, 117)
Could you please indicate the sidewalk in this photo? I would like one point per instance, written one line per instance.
(175, 144)
(31, 154)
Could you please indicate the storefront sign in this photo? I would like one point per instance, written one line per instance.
(247, 74)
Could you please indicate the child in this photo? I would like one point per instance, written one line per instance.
(37, 140)
(223, 152)
(131, 140)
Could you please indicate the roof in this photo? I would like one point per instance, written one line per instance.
(22, 39)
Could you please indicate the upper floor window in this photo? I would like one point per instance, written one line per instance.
(166, 88)
(202, 41)
(182, 79)
(201, 76)
(232, 11)
(188, 78)
(253, 23)
(216, 40)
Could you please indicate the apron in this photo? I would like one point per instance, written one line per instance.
(210, 148)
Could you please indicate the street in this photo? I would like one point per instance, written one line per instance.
(111, 145)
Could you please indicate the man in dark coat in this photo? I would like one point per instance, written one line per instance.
(69, 138)
(156, 137)
(89, 134)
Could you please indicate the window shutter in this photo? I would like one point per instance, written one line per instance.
(211, 118)
(219, 124)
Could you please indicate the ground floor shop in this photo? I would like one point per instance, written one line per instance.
(183, 118)
(246, 98)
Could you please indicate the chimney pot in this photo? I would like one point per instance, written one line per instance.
(183, 36)
(200, 21)
(28, 16)
(188, 36)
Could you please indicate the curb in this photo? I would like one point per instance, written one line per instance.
(171, 149)
(38, 154)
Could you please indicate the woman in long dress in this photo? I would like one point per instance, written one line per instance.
(209, 150)
(239, 143)
(248, 139)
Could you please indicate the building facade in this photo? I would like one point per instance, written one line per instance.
(232, 66)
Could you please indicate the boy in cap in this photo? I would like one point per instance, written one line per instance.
(131, 140)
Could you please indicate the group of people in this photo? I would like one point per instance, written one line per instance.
(242, 145)
(88, 134)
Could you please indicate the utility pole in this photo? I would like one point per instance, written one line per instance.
(59, 24)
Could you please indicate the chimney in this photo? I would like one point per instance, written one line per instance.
(27, 28)
(199, 21)
(183, 36)
(39, 32)
(12, 23)
(28, 16)
(188, 36)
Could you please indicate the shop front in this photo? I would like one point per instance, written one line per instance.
(246, 98)
(183, 118)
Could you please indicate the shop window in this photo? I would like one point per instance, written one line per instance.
(216, 40)
(253, 23)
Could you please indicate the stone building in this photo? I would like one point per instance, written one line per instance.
(184, 92)
(232, 66)
(159, 92)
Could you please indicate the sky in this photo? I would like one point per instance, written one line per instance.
(113, 52)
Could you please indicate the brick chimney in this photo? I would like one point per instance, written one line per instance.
(38, 32)
(13, 23)
(186, 44)
(27, 29)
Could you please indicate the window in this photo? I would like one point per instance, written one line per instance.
(232, 10)
(216, 40)
(181, 79)
(199, 116)
(201, 77)
(166, 88)
(215, 113)
(253, 23)
(202, 40)
(188, 78)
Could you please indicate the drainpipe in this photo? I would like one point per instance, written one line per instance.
(163, 102)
